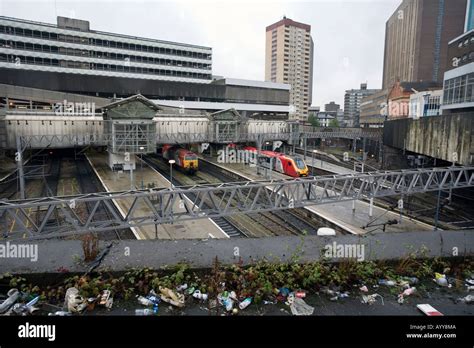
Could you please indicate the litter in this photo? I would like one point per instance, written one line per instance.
(245, 303)
(470, 281)
(371, 299)
(182, 287)
(284, 292)
(387, 282)
(74, 302)
(298, 306)
(227, 300)
(428, 310)
(364, 289)
(468, 299)
(441, 280)
(13, 296)
(269, 302)
(60, 314)
(91, 303)
(24, 309)
(144, 312)
(144, 301)
(300, 294)
(406, 292)
(198, 295)
(169, 296)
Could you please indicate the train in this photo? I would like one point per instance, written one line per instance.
(289, 165)
(187, 161)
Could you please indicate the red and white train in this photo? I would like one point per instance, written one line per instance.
(289, 165)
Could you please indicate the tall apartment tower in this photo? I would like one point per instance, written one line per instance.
(416, 39)
(289, 59)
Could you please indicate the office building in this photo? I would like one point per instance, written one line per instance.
(416, 39)
(352, 99)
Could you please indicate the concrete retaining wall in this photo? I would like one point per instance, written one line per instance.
(57, 256)
(436, 136)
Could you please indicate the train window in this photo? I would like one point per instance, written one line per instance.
(299, 163)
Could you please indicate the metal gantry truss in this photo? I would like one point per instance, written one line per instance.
(159, 206)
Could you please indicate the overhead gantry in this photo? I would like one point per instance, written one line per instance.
(156, 205)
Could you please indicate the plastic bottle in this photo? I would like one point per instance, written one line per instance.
(245, 303)
(144, 312)
(145, 301)
(386, 282)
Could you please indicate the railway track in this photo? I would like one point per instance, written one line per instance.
(89, 184)
(224, 223)
(295, 221)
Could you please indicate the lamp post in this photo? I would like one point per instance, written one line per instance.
(312, 161)
(171, 162)
(141, 163)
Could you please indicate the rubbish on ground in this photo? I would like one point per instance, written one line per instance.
(155, 308)
(387, 282)
(169, 296)
(269, 302)
(470, 282)
(74, 302)
(200, 296)
(470, 288)
(235, 311)
(23, 309)
(144, 312)
(300, 294)
(144, 301)
(182, 287)
(412, 280)
(284, 292)
(91, 303)
(212, 304)
(233, 296)
(406, 292)
(245, 303)
(298, 306)
(13, 295)
(468, 299)
(190, 290)
(428, 310)
(104, 297)
(441, 280)
(60, 314)
(326, 231)
(364, 289)
(371, 299)
(225, 300)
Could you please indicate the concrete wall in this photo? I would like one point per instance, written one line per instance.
(55, 255)
(436, 136)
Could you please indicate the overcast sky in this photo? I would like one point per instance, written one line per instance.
(348, 34)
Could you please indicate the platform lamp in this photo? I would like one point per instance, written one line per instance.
(141, 162)
(171, 162)
(312, 161)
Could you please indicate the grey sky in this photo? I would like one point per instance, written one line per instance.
(348, 34)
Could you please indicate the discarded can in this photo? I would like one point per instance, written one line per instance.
(144, 312)
(300, 294)
(245, 303)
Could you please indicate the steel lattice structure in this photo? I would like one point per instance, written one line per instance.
(159, 206)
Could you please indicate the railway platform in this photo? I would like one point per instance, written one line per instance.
(340, 214)
(115, 181)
